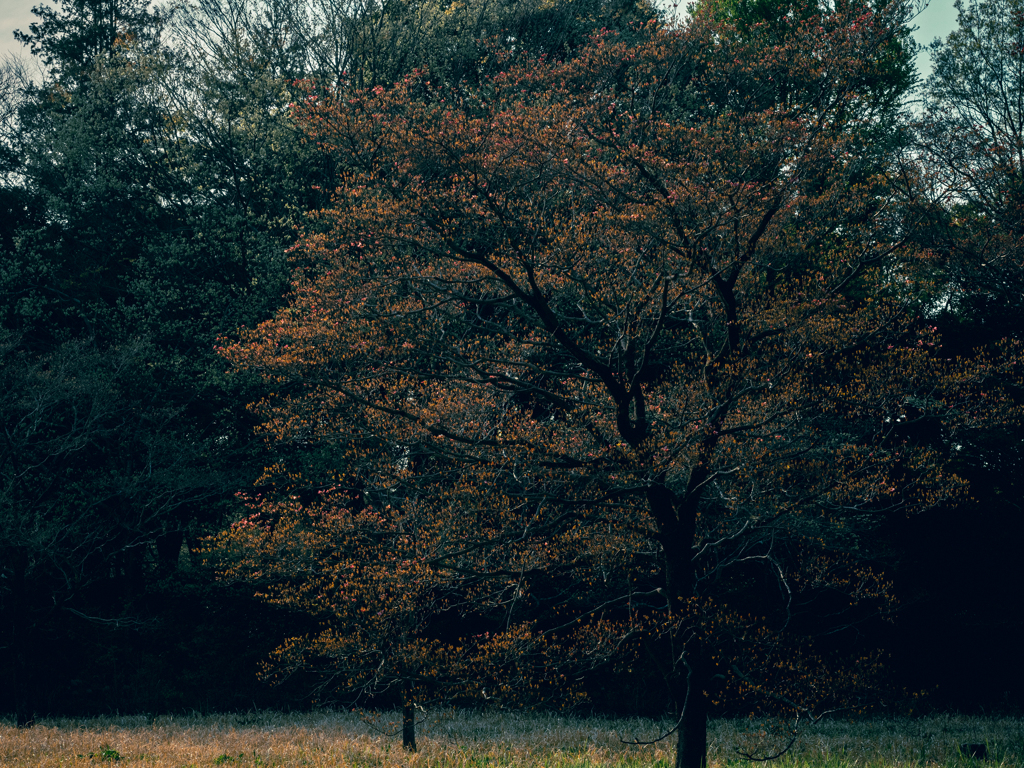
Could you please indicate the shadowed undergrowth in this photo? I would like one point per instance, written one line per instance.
(494, 740)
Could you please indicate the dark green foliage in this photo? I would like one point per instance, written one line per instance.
(958, 566)
(124, 438)
(70, 40)
(885, 85)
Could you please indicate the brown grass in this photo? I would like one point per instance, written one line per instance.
(494, 740)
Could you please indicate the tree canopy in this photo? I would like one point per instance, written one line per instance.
(641, 321)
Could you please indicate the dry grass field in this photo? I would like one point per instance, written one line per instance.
(497, 740)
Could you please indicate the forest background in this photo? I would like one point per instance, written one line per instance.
(938, 19)
(153, 181)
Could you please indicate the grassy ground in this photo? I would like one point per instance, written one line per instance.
(498, 740)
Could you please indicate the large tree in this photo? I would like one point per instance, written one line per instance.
(637, 328)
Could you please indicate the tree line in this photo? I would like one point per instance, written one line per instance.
(429, 353)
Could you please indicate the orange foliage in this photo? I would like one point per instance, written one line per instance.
(374, 580)
(619, 348)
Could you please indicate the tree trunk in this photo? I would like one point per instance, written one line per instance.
(692, 748)
(408, 718)
(677, 523)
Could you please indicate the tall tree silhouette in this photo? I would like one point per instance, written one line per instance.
(636, 330)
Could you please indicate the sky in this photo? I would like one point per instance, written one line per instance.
(937, 20)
